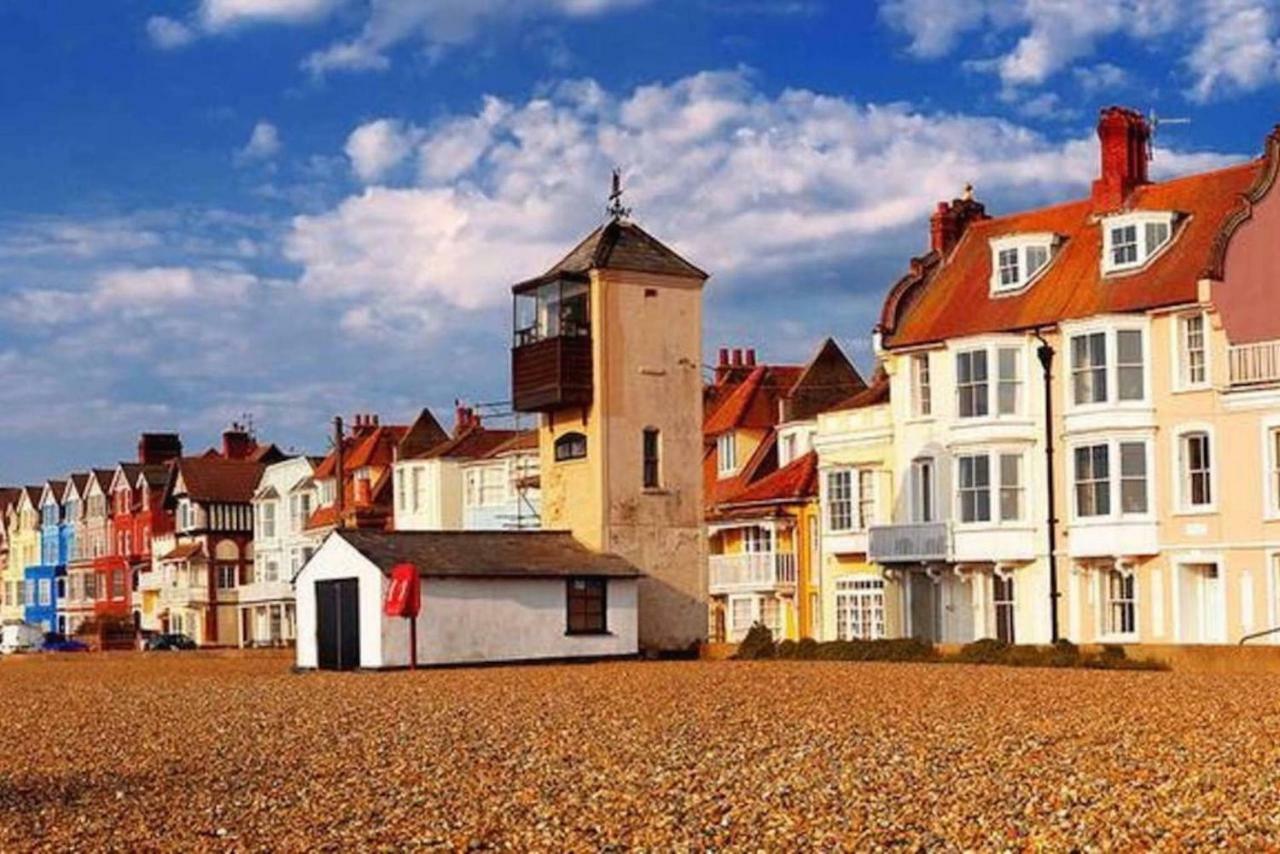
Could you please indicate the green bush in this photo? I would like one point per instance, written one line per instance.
(758, 644)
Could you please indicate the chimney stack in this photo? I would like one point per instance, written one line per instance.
(237, 444)
(951, 219)
(158, 448)
(751, 357)
(736, 357)
(464, 418)
(1124, 136)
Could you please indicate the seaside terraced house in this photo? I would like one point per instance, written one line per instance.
(366, 497)
(282, 507)
(46, 581)
(500, 489)
(430, 487)
(1154, 306)
(209, 555)
(88, 521)
(760, 475)
(9, 496)
(23, 526)
(136, 493)
(854, 446)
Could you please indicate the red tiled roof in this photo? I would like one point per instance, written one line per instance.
(375, 448)
(717, 490)
(525, 440)
(472, 443)
(872, 395)
(185, 551)
(221, 480)
(798, 480)
(754, 402)
(955, 299)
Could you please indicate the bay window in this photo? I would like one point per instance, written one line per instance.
(1110, 478)
(971, 383)
(1108, 366)
(1089, 368)
(1093, 481)
(1011, 487)
(1129, 365)
(974, 487)
(1133, 477)
(1009, 385)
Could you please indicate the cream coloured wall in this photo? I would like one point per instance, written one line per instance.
(647, 340)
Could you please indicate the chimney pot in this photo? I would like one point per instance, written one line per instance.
(737, 357)
(724, 357)
(751, 357)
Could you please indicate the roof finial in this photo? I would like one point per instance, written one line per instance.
(615, 210)
(968, 192)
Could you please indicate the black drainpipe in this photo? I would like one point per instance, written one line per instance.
(1045, 354)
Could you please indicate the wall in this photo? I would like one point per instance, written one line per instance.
(475, 620)
(647, 340)
(337, 559)
(1252, 259)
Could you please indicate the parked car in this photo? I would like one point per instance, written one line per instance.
(17, 636)
(54, 642)
(168, 641)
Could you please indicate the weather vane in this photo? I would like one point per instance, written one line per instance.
(616, 210)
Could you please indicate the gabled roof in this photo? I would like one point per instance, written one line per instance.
(486, 554)
(54, 489)
(953, 298)
(754, 402)
(102, 477)
(216, 479)
(76, 482)
(32, 494)
(375, 447)
(9, 496)
(621, 245)
(155, 475)
(873, 395)
(184, 551)
(470, 444)
(796, 481)
(127, 474)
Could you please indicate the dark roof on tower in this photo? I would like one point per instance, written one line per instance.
(621, 245)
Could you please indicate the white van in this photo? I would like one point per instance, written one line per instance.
(17, 636)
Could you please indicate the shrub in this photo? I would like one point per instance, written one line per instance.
(758, 644)
(984, 651)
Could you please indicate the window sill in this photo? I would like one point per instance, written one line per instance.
(1196, 511)
(1191, 389)
(603, 633)
(1118, 639)
(655, 490)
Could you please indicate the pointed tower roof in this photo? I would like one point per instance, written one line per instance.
(620, 245)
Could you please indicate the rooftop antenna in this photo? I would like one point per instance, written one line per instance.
(616, 210)
(1155, 121)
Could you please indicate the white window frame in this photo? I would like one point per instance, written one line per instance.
(1144, 252)
(860, 601)
(849, 499)
(1183, 505)
(984, 384)
(1271, 464)
(922, 498)
(1104, 575)
(992, 511)
(992, 347)
(1181, 353)
(1020, 245)
(1111, 349)
(727, 454)
(1115, 491)
(921, 386)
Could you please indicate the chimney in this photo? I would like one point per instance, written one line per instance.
(1124, 136)
(751, 357)
(364, 424)
(158, 448)
(464, 418)
(237, 444)
(736, 358)
(951, 219)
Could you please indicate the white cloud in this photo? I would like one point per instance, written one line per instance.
(168, 34)
(1239, 50)
(264, 143)
(1230, 45)
(747, 185)
(216, 15)
(377, 147)
(439, 23)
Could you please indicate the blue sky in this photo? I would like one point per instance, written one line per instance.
(297, 208)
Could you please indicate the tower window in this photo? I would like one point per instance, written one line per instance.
(652, 473)
(571, 446)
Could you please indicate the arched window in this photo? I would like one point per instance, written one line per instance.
(571, 446)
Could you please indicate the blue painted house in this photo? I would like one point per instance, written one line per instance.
(46, 581)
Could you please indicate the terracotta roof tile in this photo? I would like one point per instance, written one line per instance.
(795, 481)
(220, 480)
(955, 301)
(185, 551)
(472, 443)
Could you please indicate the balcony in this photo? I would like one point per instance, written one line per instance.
(752, 571)
(551, 373)
(914, 543)
(1254, 364)
(265, 591)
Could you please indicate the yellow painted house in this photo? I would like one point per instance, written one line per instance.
(854, 445)
(23, 527)
(762, 490)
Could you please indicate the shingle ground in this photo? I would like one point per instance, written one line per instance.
(186, 751)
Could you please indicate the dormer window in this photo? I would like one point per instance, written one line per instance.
(1131, 240)
(1019, 259)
